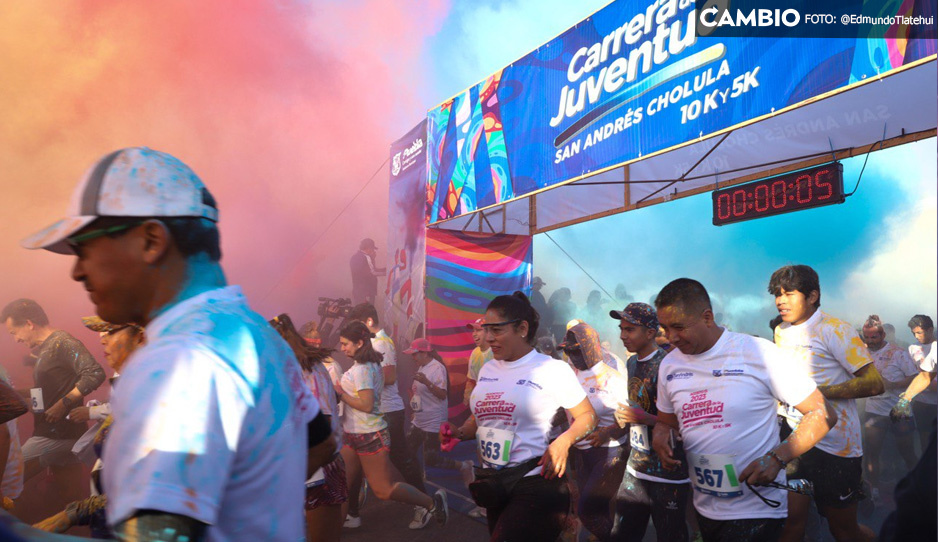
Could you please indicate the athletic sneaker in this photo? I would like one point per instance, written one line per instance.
(440, 509)
(421, 518)
(352, 522)
(478, 512)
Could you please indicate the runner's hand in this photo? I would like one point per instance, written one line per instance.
(761, 471)
(554, 462)
(422, 378)
(80, 414)
(448, 439)
(598, 437)
(56, 413)
(626, 414)
(902, 410)
(661, 443)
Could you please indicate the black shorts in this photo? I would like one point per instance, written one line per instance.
(838, 481)
(740, 530)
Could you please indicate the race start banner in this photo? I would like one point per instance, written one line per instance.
(405, 308)
(638, 77)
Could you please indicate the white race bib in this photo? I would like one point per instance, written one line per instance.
(317, 479)
(638, 438)
(36, 403)
(494, 446)
(415, 404)
(714, 474)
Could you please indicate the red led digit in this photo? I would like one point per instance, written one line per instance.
(739, 207)
(778, 189)
(723, 202)
(801, 181)
(764, 198)
(821, 185)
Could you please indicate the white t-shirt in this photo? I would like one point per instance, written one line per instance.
(605, 388)
(363, 376)
(725, 401)
(894, 364)
(521, 397)
(924, 356)
(12, 483)
(432, 410)
(210, 422)
(829, 351)
(390, 397)
(319, 382)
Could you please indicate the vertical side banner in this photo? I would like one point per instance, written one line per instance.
(405, 308)
(464, 272)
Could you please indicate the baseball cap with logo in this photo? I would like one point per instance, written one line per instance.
(639, 314)
(419, 345)
(477, 324)
(131, 182)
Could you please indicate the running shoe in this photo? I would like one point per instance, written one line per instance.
(421, 518)
(478, 512)
(440, 509)
(352, 522)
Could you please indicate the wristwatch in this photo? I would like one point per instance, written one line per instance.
(69, 403)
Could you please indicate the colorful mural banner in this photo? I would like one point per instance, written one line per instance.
(405, 307)
(633, 79)
(464, 272)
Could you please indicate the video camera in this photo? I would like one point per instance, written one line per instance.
(334, 308)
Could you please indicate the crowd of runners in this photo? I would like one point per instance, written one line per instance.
(223, 425)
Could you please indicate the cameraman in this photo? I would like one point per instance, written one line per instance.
(364, 273)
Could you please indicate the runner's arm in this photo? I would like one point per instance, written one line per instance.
(467, 431)
(390, 374)
(554, 461)
(148, 525)
(661, 439)
(365, 401)
(818, 418)
(919, 383)
(866, 383)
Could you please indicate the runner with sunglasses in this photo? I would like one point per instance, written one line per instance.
(720, 390)
(521, 481)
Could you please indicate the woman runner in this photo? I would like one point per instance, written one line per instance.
(367, 442)
(521, 481)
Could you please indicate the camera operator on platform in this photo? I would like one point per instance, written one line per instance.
(364, 273)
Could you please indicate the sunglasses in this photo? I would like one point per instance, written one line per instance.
(800, 486)
(498, 327)
(76, 240)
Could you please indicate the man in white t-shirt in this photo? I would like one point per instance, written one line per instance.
(897, 369)
(212, 419)
(720, 390)
(831, 352)
(919, 396)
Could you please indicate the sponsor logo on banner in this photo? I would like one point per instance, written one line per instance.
(407, 158)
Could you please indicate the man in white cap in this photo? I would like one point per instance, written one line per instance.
(211, 418)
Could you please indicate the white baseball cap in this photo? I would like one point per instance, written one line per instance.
(136, 181)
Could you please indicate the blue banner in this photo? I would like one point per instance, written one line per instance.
(633, 79)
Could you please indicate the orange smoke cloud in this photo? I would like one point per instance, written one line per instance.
(284, 109)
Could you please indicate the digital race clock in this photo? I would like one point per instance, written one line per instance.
(813, 187)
